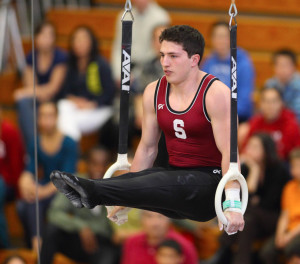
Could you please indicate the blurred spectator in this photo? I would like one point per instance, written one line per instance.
(14, 259)
(287, 237)
(147, 15)
(150, 72)
(152, 69)
(274, 118)
(141, 248)
(11, 156)
(3, 226)
(83, 235)
(50, 72)
(88, 88)
(266, 176)
(54, 151)
(169, 252)
(287, 79)
(218, 64)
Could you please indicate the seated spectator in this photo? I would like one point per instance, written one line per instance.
(150, 72)
(4, 241)
(287, 79)
(83, 235)
(11, 156)
(152, 69)
(266, 175)
(218, 64)
(14, 259)
(142, 248)
(88, 88)
(274, 118)
(169, 252)
(147, 15)
(54, 151)
(50, 72)
(287, 236)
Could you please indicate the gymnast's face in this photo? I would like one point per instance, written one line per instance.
(176, 63)
(155, 225)
(47, 118)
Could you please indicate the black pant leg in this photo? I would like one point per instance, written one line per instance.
(183, 193)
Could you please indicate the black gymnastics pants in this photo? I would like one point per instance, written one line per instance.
(174, 192)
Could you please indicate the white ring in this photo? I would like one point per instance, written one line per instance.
(232, 174)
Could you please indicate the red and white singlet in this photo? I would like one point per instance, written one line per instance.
(189, 135)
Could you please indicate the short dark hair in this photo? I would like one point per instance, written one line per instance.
(171, 243)
(295, 154)
(190, 38)
(286, 52)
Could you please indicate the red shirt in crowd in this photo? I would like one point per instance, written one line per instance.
(11, 154)
(284, 131)
(137, 250)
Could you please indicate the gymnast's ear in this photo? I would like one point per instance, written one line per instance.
(195, 60)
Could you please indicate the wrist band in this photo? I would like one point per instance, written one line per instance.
(232, 194)
(232, 204)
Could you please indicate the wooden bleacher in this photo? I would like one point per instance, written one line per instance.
(260, 36)
(273, 7)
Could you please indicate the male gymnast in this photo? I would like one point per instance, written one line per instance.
(192, 108)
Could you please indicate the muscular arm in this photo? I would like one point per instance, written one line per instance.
(218, 107)
(147, 149)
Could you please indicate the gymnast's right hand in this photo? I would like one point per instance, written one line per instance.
(78, 190)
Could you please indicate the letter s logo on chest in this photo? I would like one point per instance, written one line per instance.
(178, 125)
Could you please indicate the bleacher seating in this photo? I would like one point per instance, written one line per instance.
(257, 35)
(273, 7)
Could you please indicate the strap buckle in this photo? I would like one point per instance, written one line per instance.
(128, 8)
(232, 13)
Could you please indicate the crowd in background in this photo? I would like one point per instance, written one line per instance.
(77, 93)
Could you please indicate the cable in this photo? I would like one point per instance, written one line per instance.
(35, 137)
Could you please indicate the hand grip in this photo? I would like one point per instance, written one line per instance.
(232, 174)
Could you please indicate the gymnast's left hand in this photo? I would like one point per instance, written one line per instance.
(235, 222)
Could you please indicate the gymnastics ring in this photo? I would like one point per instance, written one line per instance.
(232, 174)
(121, 164)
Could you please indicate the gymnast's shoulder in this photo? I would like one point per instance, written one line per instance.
(150, 90)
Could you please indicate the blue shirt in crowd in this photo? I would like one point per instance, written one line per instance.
(59, 57)
(290, 91)
(65, 159)
(245, 78)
